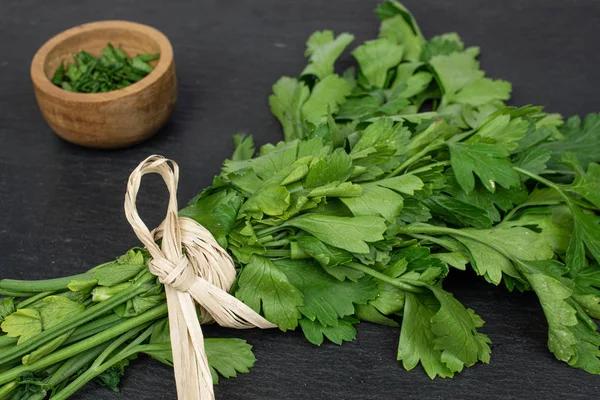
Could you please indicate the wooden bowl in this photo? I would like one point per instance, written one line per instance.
(113, 119)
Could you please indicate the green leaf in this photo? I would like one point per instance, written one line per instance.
(580, 138)
(270, 201)
(533, 160)
(82, 286)
(336, 189)
(327, 256)
(456, 71)
(407, 184)
(244, 147)
(457, 212)
(488, 161)
(483, 91)
(417, 83)
(586, 184)
(45, 349)
(348, 233)
(414, 211)
(24, 323)
(325, 99)
(399, 26)
(314, 331)
(381, 134)
(375, 201)
(337, 167)
(358, 107)
(323, 49)
(442, 45)
(123, 269)
(502, 130)
(488, 262)
(456, 259)
(588, 352)
(263, 286)
(7, 307)
(376, 58)
(216, 212)
(56, 309)
(502, 199)
(390, 300)
(553, 296)
(417, 340)
(326, 299)
(366, 312)
(228, 356)
(289, 95)
(456, 329)
(111, 378)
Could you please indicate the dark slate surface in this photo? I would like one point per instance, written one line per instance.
(61, 206)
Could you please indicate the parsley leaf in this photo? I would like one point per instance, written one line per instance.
(323, 49)
(227, 357)
(488, 161)
(325, 298)
(264, 287)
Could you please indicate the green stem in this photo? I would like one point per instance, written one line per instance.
(545, 181)
(7, 341)
(14, 293)
(7, 391)
(399, 283)
(430, 147)
(268, 231)
(70, 368)
(86, 344)
(31, 300)
(99, 366)
(439, 230)
(277, 243)
(277, 253)
(94, 327)
(428, 167)
(73, 322)
(48, 285)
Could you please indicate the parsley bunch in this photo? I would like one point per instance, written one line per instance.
(391, 175)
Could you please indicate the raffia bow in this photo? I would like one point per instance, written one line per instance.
(203, 274)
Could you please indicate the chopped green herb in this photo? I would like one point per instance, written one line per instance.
(113, 70)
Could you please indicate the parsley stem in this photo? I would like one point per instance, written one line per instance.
(99, 366)
(428, 167)
(69, 368)
(268, 231)
(48, 285)
(277, 243)
(399, 283)
(14, 293)
(33, 299)
(7, 341)
(430, 147)
(277, 253)
(440, 230)
(84, 345)
(73, 322)
(7, 391)
(546, 182)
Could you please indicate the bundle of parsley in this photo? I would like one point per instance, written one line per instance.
(390, 176)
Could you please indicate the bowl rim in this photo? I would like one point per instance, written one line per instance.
(44, 84)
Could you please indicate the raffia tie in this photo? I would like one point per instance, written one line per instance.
(203, 273)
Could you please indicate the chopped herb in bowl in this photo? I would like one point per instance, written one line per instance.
(113, 70)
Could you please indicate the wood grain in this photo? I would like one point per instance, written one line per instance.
(113, 119)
